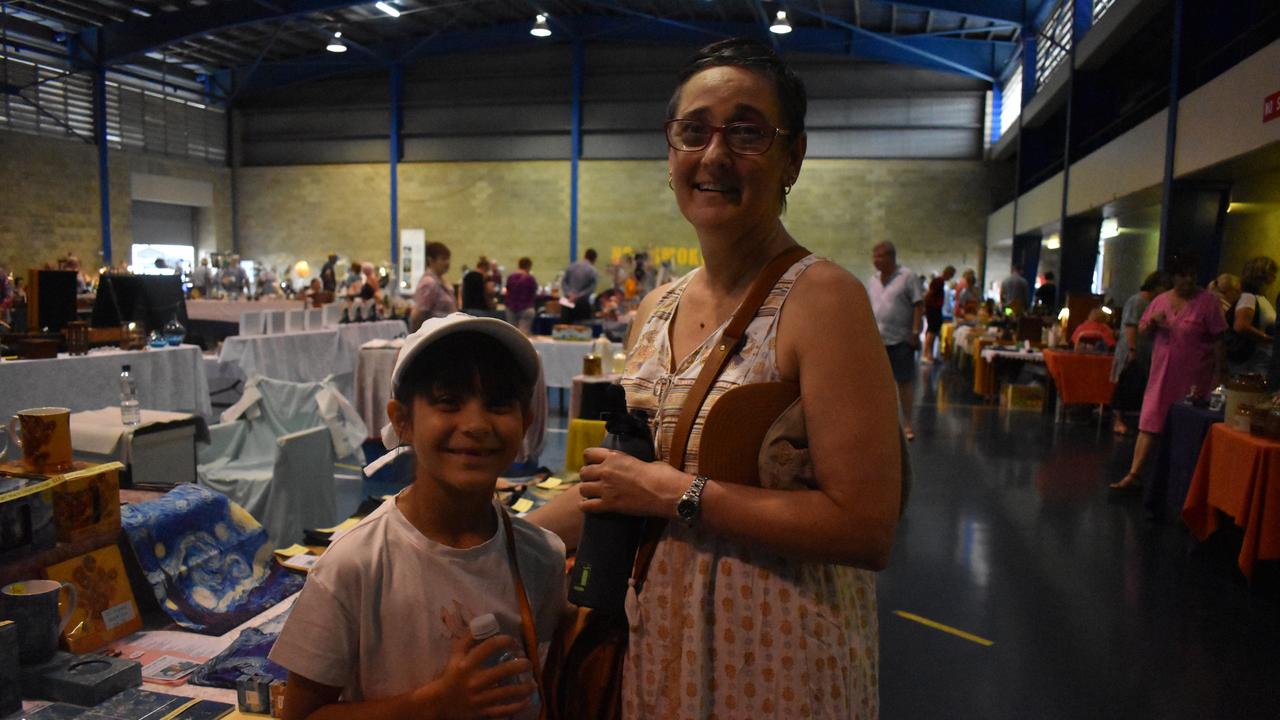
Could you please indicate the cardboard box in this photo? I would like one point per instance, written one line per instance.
(86, 501)
(1023, 397)
(26, 514)
(105, 608)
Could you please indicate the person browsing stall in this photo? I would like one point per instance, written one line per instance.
(380, 629)
(776, 581)
(898, 305)
(432, 296)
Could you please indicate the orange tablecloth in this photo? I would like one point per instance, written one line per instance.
(1083, 378)
(1238, 474)
(984, 376)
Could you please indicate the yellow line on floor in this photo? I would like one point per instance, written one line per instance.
(345, 466)
(944, 628)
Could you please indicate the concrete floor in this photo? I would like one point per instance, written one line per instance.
(1093, 610)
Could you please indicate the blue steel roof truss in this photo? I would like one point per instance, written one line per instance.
(977, 38)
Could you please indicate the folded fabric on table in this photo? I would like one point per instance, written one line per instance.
(207, 560)
(246, 656)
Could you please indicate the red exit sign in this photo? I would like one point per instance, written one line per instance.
(1271, 108)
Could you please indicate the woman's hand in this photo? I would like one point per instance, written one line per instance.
(614, 481)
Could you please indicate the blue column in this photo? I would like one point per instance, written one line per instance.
(397, 88)
(104, 176)
(1028, 64)
(997, 108)
(1171, 129)
(575, 148)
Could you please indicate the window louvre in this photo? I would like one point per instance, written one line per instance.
(56, 104)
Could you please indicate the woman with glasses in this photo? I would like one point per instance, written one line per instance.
(760, 600)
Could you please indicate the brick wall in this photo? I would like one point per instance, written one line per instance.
(935, 211)
(50, 200)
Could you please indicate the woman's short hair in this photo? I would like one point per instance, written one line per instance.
(1156, 280)
(1256, 272)
(757, 57)
(437, 249)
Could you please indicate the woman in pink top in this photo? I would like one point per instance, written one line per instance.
(1188, 325)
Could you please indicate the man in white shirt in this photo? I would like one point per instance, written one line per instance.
(1015, 291)
(898, 304)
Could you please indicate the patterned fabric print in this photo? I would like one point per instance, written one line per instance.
(724, 630)
(207, 560)
(246, 656)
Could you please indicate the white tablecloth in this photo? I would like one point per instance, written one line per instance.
(229, 310)
(373, 383)
(562, 359)
(305, 356)
(1035, 356)
(172, 378)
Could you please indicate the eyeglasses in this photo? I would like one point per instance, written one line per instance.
(743, 138)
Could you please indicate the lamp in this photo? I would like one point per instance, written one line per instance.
(335, 43)
(388, 8)
(781, 25)
(302, 268)
(540, 27)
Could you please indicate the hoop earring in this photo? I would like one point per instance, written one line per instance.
(669, 185)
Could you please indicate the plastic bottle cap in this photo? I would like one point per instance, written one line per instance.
(484, 626)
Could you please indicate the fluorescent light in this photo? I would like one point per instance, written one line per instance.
(781, 25)
(387, 8)
(1110, 228)
(335, 43)
(540, 27)
(1053, 242)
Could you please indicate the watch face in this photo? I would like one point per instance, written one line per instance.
(687, 509)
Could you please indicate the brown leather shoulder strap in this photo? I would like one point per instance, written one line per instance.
(527, 628)
(724, 349)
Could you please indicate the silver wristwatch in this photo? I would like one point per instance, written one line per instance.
(690, 504)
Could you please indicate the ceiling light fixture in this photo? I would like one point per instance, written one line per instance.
(335, 43)
(540, 27)
(388, 8)
(781, 25)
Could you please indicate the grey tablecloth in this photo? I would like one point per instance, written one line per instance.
(168, 379)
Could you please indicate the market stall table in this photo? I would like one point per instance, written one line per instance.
(1184, 432)
(562, 359)
(308, 356)
(229, 311)
(170, 378)
(1239, 475)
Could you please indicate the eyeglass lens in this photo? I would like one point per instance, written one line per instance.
(742, 138)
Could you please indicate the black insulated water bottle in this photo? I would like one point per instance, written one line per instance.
(609, 541)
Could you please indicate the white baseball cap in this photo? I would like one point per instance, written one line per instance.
(434, 329)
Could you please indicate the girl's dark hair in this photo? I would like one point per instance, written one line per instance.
(747, 53)
(466, 364)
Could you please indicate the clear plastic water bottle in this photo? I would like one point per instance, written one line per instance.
(130, 411)
(486, 626)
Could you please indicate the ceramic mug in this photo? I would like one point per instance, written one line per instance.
(33, 606)
(45, 439)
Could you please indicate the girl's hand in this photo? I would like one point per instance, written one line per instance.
(613, 481)
(468, 689)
